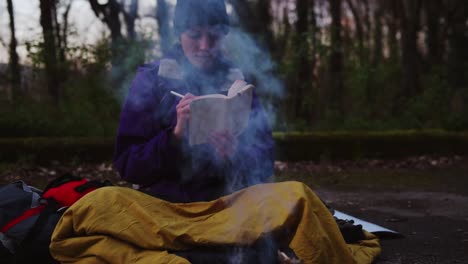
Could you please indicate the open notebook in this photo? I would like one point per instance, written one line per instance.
(219, 112)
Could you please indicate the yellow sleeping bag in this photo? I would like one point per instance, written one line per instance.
(121, 225)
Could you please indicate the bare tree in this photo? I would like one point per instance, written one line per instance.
(244, 11)
(124, 49)
(367, 21)
(283, 35)
(264, 16)
(433, 14)
(63, 33)
(410, 17)
(61, 38)
(61, 30)
(392, 21)
(47, 22)
(109, 13)
(255, 18)
(15, 70)
(335, 74)
(162, 16)
(378, 36)
(359, 28)
(301, 44)
(457, 17)
(130, 18)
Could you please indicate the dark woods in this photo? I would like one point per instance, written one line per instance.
(363, 64)
(344, 64)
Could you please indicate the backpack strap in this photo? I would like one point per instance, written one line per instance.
(29, 243)
(34, 192)
(92, 185)
(50, 208)
(61, 181)
(7, 243)
(27, 214)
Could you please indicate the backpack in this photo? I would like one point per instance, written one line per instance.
(28, 216)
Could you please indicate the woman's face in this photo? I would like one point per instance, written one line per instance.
(201, 45)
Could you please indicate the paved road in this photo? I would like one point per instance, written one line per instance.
(435, 224)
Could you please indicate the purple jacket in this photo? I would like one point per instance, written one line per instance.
(146, 154)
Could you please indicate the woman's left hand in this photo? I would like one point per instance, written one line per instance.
(224, 144)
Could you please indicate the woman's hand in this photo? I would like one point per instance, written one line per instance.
(183, 115)
(224, 144)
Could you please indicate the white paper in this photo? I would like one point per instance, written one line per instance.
(369, 227)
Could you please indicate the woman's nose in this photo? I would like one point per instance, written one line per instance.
(205, 42)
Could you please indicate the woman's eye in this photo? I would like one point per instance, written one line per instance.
(194, 35)
(215, 36)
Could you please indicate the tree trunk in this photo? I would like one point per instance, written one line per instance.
(244, 12)
(359, 29)
(410, 53)
(50, 49)
(433, 11)
(458, 43)
(392, 21)
(284, 35)
(335, 75)
(162, 16)
(125, 53)
(367, 22)
(263, 11)
(314, 46)
(61, 33)
(130, 18)
(14, 67)
(255, 19)
(109, 13)
(303, 78)
(378, 45)
(376, 58)
(314, 29)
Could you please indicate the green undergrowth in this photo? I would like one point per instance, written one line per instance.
(44, 150)
(294, 146)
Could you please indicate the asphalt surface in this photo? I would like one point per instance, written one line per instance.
(423, 198)
(434, 224)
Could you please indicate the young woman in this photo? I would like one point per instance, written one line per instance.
(151, 146)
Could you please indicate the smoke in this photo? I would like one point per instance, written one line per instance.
(251, 58)
(258, 67)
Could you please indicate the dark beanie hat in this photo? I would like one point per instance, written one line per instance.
(192, 13)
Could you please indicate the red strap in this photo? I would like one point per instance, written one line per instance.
(65, 194)
(28, 213)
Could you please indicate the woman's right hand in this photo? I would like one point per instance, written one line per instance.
(183, 115)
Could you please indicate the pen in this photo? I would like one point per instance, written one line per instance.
(177, 94)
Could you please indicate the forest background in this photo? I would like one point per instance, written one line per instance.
(370, 78)
(319, 65)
